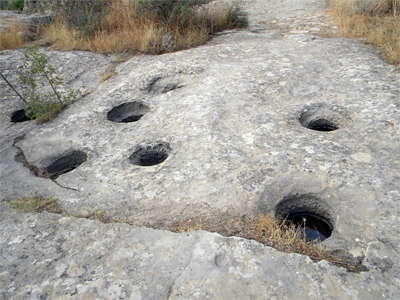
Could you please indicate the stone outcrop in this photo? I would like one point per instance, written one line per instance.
(276, 115)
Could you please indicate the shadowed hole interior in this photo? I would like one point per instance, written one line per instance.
(309, 214)
(66, 163)
(150, 155)
(313, 227)
(324, 117)
(128, 112)
(322, 125)
(19, 116)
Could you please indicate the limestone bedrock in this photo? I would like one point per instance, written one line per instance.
(232, 118)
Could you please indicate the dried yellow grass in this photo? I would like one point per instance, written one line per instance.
(269, 231)
(12, 38)
(377, 23)
(123, 29)
(35, 204)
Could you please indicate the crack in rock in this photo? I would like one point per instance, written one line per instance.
(42, 173)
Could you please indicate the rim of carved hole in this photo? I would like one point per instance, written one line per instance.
(65, 163)
(19, 116)
(150, 154)
(128, 112)
(323, 117)
(311, 215)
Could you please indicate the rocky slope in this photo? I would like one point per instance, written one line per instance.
(224, 128)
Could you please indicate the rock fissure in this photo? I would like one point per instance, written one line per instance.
(39, 172)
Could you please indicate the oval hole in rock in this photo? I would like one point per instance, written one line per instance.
(19, 116)
(150, 154)
(312, 216)
(324, 117)
(66, 163)
(322, 125)
(128, 112)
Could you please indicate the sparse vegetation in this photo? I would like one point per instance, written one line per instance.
(376, 21)
(151, 26)
(35, 204)
(39, 105)
(269, 231)
(12, 5)
(16, 5)
(266, 229)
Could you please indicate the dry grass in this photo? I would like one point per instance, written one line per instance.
(378, 22)
(265, 229)
(12, 38)
(107, 75)
(271, 232)
(123, 28)
(35, 204)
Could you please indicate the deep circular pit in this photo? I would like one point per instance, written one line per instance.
(324, 117)
(65, 164)
(322, 125)
(150, 155)
(19, 116)
(309, 214)
(128, 112)
(312, 227)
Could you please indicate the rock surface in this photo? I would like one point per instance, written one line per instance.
(51, 257)
(229, 116)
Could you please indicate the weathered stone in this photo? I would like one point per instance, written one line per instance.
(236, 145)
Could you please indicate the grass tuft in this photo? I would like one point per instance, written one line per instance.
(43, 112)
(36, 204)
(376, 21)
(12, 38)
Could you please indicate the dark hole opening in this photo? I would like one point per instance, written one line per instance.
(313, 227)
(128, 112)
(19, 116)
(133, 118)
(150, 155)
(66, 164)
(322, 125)
(152, 158)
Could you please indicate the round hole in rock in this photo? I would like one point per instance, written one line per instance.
(324, 117)
(150, 154)
(322, 125)
(19, 116)
(128, 112)
(65, 163)
(309, 214)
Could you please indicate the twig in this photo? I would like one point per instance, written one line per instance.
(54, 89)
(13, 88)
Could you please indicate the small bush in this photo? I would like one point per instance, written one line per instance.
(43, 111)
(36, 204)
(3, 4)
(84, 16)
(16, 5)
(376, 21)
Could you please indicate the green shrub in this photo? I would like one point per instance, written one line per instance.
(85, 16)
(170, 11)
(16, 5)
